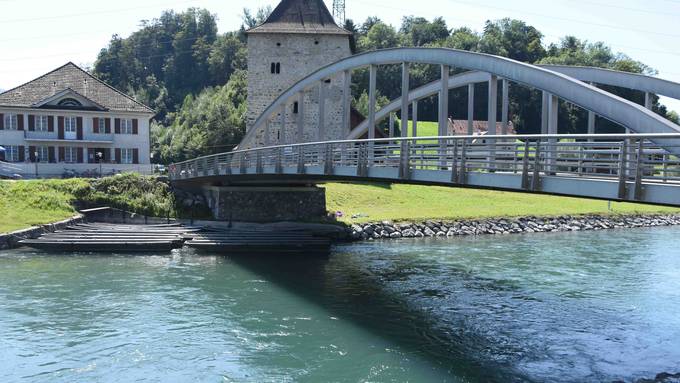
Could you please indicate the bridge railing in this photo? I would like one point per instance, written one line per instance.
(625, 158)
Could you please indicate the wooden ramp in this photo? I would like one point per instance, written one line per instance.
(256, 242)
(114, 238)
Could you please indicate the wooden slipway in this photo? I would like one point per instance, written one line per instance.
(113, 238)
(96, 237)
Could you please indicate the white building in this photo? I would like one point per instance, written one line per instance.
(69, 120)
(298, 38)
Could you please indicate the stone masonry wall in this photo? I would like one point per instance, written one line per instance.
(299, 56)
(267, 204)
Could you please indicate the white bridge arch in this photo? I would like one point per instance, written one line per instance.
(555, 85)
(630, 167)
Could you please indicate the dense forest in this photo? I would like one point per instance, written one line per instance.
(195, 77)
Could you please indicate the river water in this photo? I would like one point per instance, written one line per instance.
(588, 306)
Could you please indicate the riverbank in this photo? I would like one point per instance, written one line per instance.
(505, 226)
(377, 202)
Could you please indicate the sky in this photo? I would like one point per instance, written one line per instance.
(38, 36)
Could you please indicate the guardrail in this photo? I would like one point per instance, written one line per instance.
(624, 158)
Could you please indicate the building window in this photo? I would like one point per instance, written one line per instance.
(70, 154)
(69, 102)
(125, 126)
(276, 68)
(69, 124)
(101, 125)
(11, 122)
(12, 153)
(41, 123)
(126, 156)
(295, 107)
(42, 154)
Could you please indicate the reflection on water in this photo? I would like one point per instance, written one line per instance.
(595, 306)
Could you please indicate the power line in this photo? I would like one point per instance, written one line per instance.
(91, 13)
(477, 5)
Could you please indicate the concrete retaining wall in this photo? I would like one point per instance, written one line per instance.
(11, 240)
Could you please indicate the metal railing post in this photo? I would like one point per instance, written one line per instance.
(639, 171)
(278, 167)
(525, 166)
(454, 162)
(258, 162)
(622, 169)
(301, 160)
(462, 174)
(535, 179)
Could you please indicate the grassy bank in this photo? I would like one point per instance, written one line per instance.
(29, 203)
(378, 202)
(34, 202)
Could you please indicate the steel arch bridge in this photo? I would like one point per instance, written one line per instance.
(643, 166)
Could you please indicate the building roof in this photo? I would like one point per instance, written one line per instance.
(460, 127)
(73, 78)
(300, 16)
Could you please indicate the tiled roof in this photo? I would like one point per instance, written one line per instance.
(300, 16)
(70, 76)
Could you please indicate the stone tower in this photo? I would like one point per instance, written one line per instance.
(298, 38)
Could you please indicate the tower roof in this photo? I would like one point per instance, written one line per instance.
(300, 16)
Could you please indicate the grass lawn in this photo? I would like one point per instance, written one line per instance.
(378, 202)
(29, 203)
(425, 128)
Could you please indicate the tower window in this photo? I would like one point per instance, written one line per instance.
(278, 44)
(295, 107)
(275, 68)
(316, 42)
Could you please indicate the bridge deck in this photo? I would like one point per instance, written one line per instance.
(624, 168)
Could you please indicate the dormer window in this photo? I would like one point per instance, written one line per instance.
(276, 68)
(69, 102)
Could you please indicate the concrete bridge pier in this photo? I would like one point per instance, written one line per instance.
(264, 204)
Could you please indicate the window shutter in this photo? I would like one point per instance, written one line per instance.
(20, 121)
(117, 152)
(135, 126)
(107, 125)
(60, 122)
(79, 128)
(79, 153)
(2, 121)
(31, 122)
(107, 155)
(95, 125)
(50, 124)
(116, 125)
(50, 153)
(135, 156)
(31, 153)
(22, 155)
(62, 154)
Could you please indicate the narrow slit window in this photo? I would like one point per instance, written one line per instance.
(273, 68)
(295, 107)
(278, 68)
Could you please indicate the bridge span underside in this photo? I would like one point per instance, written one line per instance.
(611, 167)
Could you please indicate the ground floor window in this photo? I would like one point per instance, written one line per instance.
(42, 154)
(126, 156)
(70, 154)
(11, 153)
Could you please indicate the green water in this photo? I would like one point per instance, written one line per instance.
(589, 306)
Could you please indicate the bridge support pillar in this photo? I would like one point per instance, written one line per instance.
(266, 203)
(405, 87)
(415, 118)
(471, 110)
(505, 108)
(373, 73)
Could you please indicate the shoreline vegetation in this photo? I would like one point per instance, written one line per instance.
(35, 202)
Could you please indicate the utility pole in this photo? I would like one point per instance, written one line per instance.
(339, 11)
